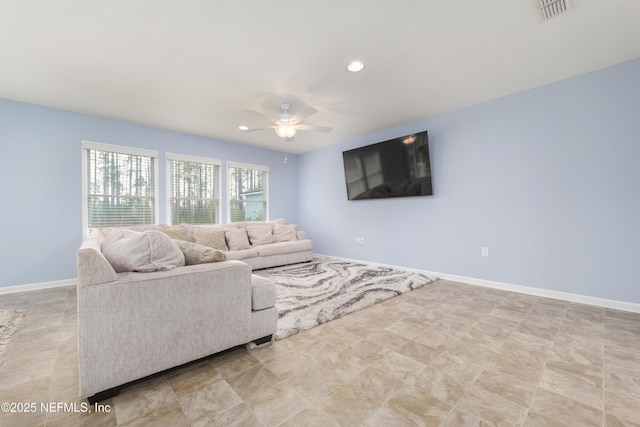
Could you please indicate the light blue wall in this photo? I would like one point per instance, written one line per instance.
(41, 191)
(548, 179)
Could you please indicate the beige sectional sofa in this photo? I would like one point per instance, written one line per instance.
(171, 299)
(259, 244)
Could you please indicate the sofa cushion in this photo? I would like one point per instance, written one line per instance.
(273, 222)
(243, 254)
(210, 236)
(260, 234)
(176, 232)
(237, 239)
(152, 250)
(285, 248)
(285, 233)
(263, 293)
(199, 254)
(113, 234)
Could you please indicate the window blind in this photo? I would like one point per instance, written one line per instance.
(120, 188)
(194, 190)
(248, 192)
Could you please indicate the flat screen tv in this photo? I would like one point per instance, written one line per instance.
(396, 168)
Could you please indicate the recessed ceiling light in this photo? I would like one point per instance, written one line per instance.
(243, 127)
(355, 66)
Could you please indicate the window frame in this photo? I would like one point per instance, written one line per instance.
(121, 149)
(191, 159)
(241, 165)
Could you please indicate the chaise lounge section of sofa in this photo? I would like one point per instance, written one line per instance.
(158, 308)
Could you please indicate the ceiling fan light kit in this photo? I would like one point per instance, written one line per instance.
(283, 128)
(287, 125)
(286, 131)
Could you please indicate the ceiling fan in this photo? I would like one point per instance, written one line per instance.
(286, 124)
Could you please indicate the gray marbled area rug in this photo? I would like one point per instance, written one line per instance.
(327, 288)
(9, 322)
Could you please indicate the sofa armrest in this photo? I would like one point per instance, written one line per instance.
(92, 267)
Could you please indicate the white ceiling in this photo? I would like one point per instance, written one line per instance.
(194, 66)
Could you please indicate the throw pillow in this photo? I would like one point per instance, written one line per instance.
(237, 239)
(211, 238)
(176, 232)
(260, 234)
(146, 251)
(199, 254)
(285, 233)
(115, 234)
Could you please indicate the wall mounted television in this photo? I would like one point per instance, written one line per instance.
(399, 167)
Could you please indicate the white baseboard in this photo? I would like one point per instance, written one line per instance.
(37, 286)
(547, 293)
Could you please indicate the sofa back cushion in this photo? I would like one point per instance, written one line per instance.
(285, 233)
(237, 239)
(280, 221)
(128, 250)
(260, 234)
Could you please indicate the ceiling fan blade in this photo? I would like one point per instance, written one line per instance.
(301, 126)
(269, 119)
(309, 111)
(257, 129)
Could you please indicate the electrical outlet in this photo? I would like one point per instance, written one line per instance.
(485, 251)
(362, 241)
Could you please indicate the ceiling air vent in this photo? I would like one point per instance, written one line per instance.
(551, 8)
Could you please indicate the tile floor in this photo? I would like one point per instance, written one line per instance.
(448, 354)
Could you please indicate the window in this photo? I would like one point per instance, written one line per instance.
(193, 185)
(248, 192)
(119, 186)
